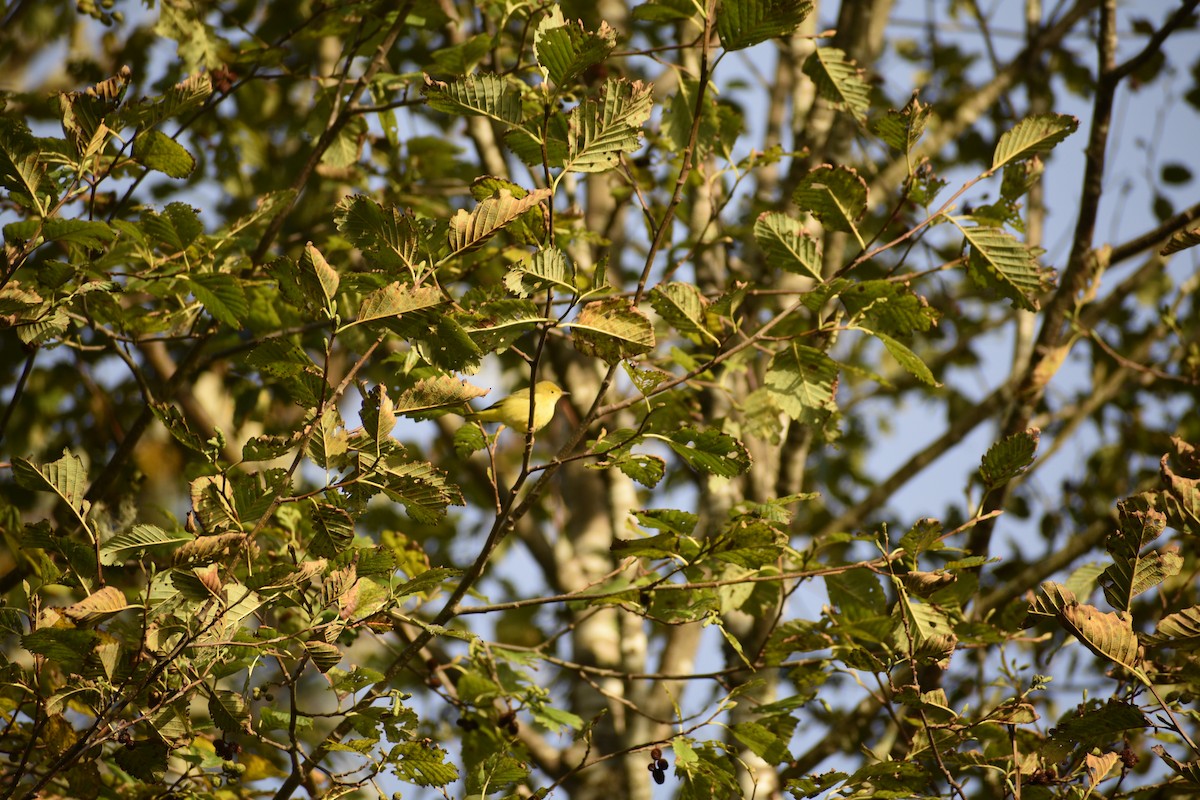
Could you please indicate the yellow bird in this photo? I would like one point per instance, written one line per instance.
(513, 410)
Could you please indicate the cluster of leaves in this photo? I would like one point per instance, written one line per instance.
(239, 495)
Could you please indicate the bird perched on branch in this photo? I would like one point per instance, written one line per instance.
(513, 410)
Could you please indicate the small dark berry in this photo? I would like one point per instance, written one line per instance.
(656, 753)
(651, 766)
(659, 777)
(514, 727)
(662, 764)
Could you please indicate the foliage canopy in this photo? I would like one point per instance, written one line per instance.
(259, 258)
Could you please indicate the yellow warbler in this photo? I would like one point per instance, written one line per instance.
(513, 410)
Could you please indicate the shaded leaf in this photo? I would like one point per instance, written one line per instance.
(229, 712)
(66, 477)
(566, 49)
(803, 382)
(710, 451)
(838, 79)
(612, 329)
(902, 129)
(1008, 458)
(837, 196)
(744, 23)
(397, 299)
(1180, 630)
(999, 261)
(683, 307)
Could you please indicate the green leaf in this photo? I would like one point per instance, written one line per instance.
(474, 96)
(911, 362)
(1008, 458)
(999, 261)
(422, 763)
(387, 237)
(1125, 580)
(333, 530)
(397, 299)
(489, 217)
(744, 23)
(803, 382)
(837, 196)
(647, 470)
(546, 269)
(22, 172)
(66, 477)
(838, 79)
(188, 94)
(612, 329)
(88, 234)
(710, 451)
(139, 538)
(1034, 135)
(888, 307)
(222, 296)
(421, 487)
(229, 712)
(787, 245)
(901, 130)
(325, 656)
(318, 280)
(683, 307)
(566, 49)
(603, 128)
(68, 647)
(157, 151)
(378, 416)
(175, 227)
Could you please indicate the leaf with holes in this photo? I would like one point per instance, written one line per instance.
(546, 269)
(1107, 634)
(564, 50)
(787, 245)
(476, 96)
(601, 129)
(469, 229)
(803, 381)
(66, 478)
(613, 330)
(97, 607)
(684, 308)
(901, 130)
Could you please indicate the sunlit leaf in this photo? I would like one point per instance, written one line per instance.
(1035, 135)
(838, 79)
